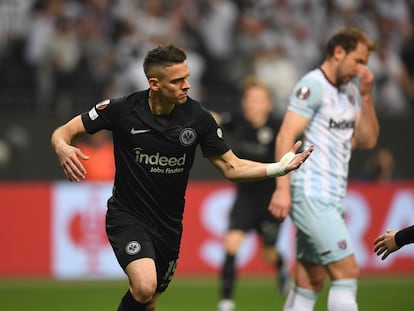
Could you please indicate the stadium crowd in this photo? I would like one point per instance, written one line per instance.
(58, 57)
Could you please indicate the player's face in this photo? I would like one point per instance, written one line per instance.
(174, 85)
(256, 104)
(350, 61)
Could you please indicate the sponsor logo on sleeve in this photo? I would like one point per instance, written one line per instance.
(303, 93)
(220, 133)
(102, 104)
(93, 115)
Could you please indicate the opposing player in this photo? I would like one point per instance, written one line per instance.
(155, 135)
(332, 107)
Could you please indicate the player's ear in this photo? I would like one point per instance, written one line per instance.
(153, 84)
(339, 52)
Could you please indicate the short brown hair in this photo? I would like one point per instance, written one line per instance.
(162, 56)
(348, 38)
(253, 81)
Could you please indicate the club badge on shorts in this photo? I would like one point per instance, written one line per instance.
(132, 248)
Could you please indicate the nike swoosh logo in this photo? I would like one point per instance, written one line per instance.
(134, 131)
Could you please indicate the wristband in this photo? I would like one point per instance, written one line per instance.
(278, 168)
(275, 169)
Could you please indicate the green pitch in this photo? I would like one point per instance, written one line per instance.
(189, 294)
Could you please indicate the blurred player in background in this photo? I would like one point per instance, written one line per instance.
(251, 135)
(393, 240)
(155, 134)
(332, 107)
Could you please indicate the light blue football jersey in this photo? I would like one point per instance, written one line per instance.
(332, 112)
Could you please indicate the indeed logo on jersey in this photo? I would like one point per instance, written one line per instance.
(341, 125)
(161, 164)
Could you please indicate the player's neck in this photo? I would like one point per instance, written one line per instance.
(329, 70)
(257, 122)
(158, 107)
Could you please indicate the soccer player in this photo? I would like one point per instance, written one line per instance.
(332, 107)
(252, 134)
(155, 135)
(393, 240)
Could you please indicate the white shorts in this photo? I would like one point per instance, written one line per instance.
(322, 236)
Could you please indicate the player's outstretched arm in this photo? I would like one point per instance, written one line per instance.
(236, 169)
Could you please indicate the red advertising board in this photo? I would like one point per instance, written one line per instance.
(57, 229)
(205, 222)
(25, 229)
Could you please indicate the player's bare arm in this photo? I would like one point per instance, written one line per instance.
(236, 169)
(293, 125)
(366, 125)
(69, 156)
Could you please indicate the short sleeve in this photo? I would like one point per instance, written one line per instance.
(99, 116)
(212, 143)
(306, 97)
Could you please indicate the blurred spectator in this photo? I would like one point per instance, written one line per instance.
(393, 88)
(301, 47)
(17, 79)
(94, 75)
(99, 148)
(253, 34)
(129, 59)
(43, 26)
(407, 48)
(13, 20)
(391, 17)
(95, 46)
(274, 66)
(63, 58)
(216, 26)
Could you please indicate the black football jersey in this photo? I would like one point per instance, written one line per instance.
(154, 154)
(257, 144)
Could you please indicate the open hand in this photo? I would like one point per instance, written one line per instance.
(292, 160)
(385, 244)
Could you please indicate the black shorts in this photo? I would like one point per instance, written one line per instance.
(132, 239)
(250, 212)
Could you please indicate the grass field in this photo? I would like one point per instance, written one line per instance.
(189, 294)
